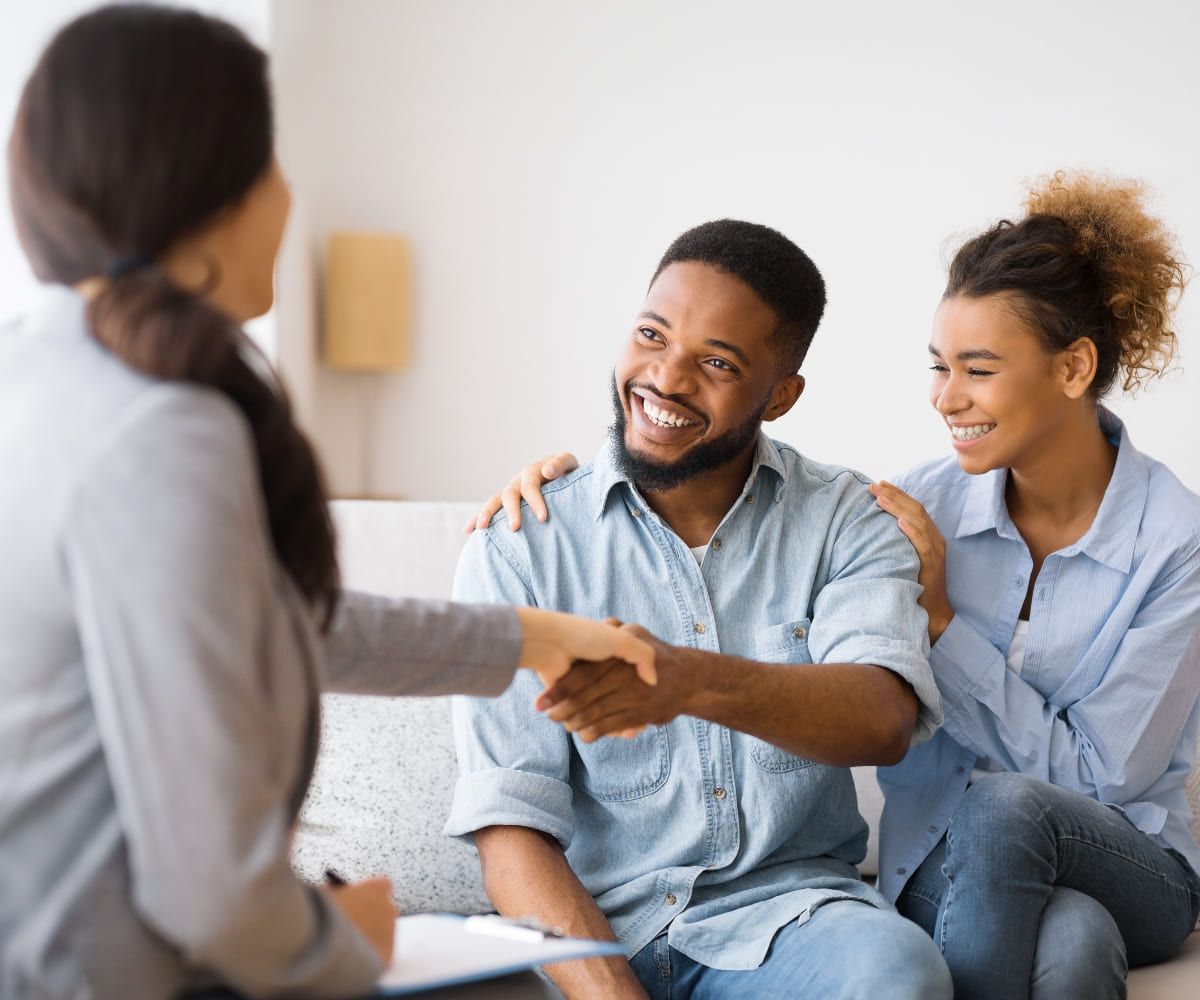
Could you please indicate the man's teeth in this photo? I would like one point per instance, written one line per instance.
(664, 418)
(970, 433)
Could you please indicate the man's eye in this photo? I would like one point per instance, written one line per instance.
(721, 364)
(648, 333)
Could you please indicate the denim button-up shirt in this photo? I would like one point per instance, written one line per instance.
(1106, 701)
(718, 835)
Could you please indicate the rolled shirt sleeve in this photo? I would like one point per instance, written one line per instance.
(514, 762)
(867, 611)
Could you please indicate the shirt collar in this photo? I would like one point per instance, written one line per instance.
(606, 474)
(1113, 534)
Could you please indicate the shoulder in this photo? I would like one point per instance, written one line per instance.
(569, 499)
(933, 477)
(1172, 512)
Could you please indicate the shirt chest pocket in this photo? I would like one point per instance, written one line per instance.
(784, 643)
(618, 770)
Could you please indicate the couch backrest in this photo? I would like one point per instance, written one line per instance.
(387, 768)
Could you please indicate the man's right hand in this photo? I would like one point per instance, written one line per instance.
(368, 906)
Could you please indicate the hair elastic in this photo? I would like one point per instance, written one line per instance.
(127, 265)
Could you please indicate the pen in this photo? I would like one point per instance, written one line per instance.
(334, 879)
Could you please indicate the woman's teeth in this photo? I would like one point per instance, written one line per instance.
(970, 433)
(664, 418)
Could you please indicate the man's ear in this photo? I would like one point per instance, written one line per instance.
(784, 396)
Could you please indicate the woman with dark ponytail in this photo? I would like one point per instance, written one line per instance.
(170, 605)
(1042, 836)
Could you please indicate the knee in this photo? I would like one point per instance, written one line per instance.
(1080, 951)
(1003, 804)
(904, 964)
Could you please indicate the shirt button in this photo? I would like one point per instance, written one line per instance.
(718, 792)
(901, 871)
(1019, 581)
(699, 627)
(671, 900)
(749, 498)
(716, 543)
(959, 770)
(933, 829)
(799, 632)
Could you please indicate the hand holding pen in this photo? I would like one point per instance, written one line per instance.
(368, 906)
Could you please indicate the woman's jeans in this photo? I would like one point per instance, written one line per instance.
(1040, 891)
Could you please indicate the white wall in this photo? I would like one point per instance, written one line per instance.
(541, 155)
(25, 29)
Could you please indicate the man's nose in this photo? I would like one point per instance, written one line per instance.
(672, 376)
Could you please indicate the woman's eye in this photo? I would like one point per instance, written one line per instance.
(978, 373)
(938, 368)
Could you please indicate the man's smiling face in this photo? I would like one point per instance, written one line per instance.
(699, 373)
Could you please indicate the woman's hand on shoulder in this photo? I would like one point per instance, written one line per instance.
(526, 484)
(918, 527)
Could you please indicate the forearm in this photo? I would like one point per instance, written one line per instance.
(400, 646)
(843, 714)
(526, 874)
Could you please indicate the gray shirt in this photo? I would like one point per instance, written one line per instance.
(158, 689)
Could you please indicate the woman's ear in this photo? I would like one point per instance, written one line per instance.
(1077, 367)
(784, 397)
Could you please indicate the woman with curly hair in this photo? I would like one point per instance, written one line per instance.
(1042, 836)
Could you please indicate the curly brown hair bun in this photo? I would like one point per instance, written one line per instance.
(1085, 261)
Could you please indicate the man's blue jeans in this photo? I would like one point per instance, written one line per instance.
(1040, 891)
(847, 949)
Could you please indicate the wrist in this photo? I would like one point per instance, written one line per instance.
(939, 621)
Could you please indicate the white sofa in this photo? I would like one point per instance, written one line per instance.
(387, 769)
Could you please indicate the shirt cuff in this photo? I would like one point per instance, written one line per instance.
(963, 661)
(502, 796)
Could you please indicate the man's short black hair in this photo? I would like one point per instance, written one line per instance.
(778, 271)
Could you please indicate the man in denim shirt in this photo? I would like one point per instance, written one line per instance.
(719, 844)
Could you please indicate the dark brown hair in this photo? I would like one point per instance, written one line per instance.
(139, 125)
(1085, 261)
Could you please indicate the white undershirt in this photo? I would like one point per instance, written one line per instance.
(698, 551)
(1016, 659)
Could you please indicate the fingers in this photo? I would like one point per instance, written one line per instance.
(531, 489)
(485, 515)
(619, 722)
(582, 677)
(559, 465)
(635, 650)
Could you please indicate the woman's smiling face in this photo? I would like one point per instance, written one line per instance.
(994, 383)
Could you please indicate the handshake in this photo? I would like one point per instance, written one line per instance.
(601, 678)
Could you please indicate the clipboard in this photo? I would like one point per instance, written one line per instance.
(443, 949)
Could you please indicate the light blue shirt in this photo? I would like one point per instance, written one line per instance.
(1105, 702)
(722, 837)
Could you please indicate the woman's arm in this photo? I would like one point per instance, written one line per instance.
(166, 557)
(1117, 740)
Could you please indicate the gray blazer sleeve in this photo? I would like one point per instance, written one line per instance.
(381, 645)
(168, 563)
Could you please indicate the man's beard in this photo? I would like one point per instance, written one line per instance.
(650, 476)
